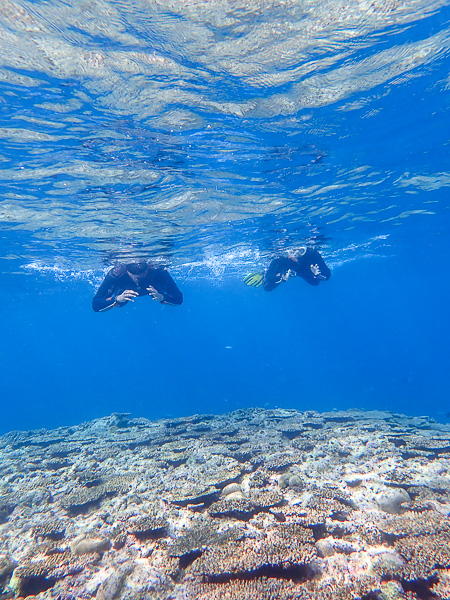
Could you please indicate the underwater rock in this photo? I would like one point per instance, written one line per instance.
(295, 481)
(230, 489)
(329, 546)
(236, 496)
(283, 480)
(391, 501)
(290, 480)
(89, 545)
(112, 586)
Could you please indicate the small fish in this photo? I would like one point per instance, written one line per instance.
(228, 347)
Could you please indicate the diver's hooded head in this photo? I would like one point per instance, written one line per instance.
(137, 268)
(296, 253)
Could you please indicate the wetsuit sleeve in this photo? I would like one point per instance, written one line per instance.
(166, 286)
(311, 258)
(105, 297)
(273, 276)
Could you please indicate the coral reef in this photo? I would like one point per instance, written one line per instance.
(53, 529)
(266, 504)
(150, 526)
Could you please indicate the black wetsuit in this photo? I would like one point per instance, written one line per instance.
(302, 267)
(118, 280)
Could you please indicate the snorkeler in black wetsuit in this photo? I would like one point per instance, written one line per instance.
(124, 283)
(304, 262)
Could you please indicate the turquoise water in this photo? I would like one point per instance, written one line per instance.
(211, 137)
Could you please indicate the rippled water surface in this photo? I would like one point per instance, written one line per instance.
(203, 132)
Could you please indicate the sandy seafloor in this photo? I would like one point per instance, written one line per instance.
(260, 504)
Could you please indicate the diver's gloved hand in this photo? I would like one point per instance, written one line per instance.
(316, 272)
(126, 296)
(153, 292)
(290, 273)
(253, 279)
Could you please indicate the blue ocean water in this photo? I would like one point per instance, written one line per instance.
(212, 137)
